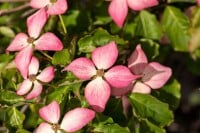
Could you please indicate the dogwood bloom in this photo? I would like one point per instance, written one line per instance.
(53, 7)
(118, 9)
(198, 2)
(73, 120)
(32, 86)
(26, 44)
(97, 91)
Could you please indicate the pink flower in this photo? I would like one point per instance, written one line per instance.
(32, 86)
(54, 7)
(73, 120)
(118, 9)
(97, 91)
(153, 75)
(27, 43)
(198, 2)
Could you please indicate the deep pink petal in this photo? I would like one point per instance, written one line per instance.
(39, 3)
(97, 93)
(137, 61)
(119, 76)
(121, 91)
(50, 112)
(44, 128)
(36, 22)
(48, 41)
(141, 4)
(46, 75)
(76, 119)
(57, 8)
(83, 68)
(33, 66)
(118, 10)
(36, 91)
(105, 56)
(18, 43)
(140, 87)
(156, 75)
(23, 59)
(24, 87)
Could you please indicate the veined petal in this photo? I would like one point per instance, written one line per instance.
(137, 61)
(118, 10)
(119, 76)
(23, 59)
(156, 75)
(76, 119)
(48, 41)
(97, 93)
(50, 112)
(44, 128)
(105, 56)
(39, 3)
(18, 43)
(36, 91)
(83, 68)
(46, 75)
(140, 87)
(57, 8)
(33, 66)
(36, 22)
(141, 4)
(24, 87)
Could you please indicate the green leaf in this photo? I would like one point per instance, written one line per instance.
(189, 1)
(15, 118)
(7, 31)
(61, 57)
(10, 98)
(148, 26)
(170, 93)
(148, 107)
(176, 26)
(22, 131)
(4, 60)
(148, 127)
(111, 128)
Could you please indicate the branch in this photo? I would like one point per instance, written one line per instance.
(4, 12)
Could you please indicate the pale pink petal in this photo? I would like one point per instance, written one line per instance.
(50, 112)
(121, 91)
(36, 22)
(18, 43)
(141, 4)
(36, 91)
(198, 2)
(97, 93)
(105, 56)
(118, 10)
(76, 119)
(140, 87)
(23, 59)
(119, 76)
(44, 128)
(156, 75)
(24, 87)
(48, 41)
(39, 3)
(83, 68)
(33, 66)
(137, 61)
(57, 8)
(46, 75)
(126, 105)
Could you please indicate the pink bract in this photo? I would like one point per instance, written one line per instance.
(32, 85)
(97, 91)
(26, 44)
(118, 9)
(73, 120)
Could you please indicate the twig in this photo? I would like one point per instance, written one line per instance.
(4, 12)
(13, 1)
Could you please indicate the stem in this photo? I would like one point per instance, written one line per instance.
(46, 55)
(63, 24)
(4, 12)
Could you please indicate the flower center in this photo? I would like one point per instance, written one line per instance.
(32, 77)
(55, 127)
(100, 73)
(53, 1)
(30, 40)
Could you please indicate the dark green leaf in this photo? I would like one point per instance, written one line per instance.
(61, 57)
(111, 128)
